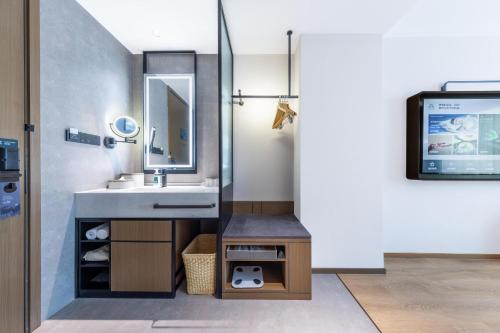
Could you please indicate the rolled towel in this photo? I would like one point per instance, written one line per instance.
(91, 233)
(100, 254)
(94, 232)
(103, 231)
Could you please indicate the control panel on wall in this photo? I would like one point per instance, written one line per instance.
(9, 178)
(9, 155)
(74, 135)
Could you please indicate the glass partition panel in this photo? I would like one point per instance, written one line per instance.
(226, 78)
(225, 137)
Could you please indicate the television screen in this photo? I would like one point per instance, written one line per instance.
(460, 136)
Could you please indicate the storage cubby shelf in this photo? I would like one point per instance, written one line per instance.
(274, 277)
(94, 264)
(257, 260)
(267, 287)
(284, 278)
(95, 241)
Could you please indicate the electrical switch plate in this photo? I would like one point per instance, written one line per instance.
(74, 135)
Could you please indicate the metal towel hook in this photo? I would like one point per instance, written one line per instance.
(240, 102)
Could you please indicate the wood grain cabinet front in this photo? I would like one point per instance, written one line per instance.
(141, 267)
(299, 267)
(141, 230)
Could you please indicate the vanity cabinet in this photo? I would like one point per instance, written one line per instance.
(144, 258)
(141, 252)
(148, 230)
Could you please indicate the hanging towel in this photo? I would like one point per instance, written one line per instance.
(93, 233)
(100, 254)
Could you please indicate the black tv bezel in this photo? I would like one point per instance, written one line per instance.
(417, 174)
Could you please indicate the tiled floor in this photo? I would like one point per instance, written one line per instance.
(332, 310)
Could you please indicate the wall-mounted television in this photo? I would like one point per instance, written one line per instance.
(453, 135)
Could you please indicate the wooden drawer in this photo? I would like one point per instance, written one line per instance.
(141, 230)
(141, 267)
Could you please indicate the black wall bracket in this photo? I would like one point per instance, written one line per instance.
(29, 127)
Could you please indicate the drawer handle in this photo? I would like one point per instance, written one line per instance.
(158, 206)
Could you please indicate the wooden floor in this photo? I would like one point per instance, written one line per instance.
(431, 295)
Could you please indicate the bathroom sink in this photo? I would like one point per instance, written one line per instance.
(175, 201)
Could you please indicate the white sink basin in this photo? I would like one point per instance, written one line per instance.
(149, 202)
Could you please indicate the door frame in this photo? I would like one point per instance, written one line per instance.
(32, 207)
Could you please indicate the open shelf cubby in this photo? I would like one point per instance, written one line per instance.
(93, 276)
(89, 246)
(274, 276)
(84, 226)
(251, 255)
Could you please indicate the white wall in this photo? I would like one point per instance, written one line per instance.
(340, 148)
(86, 81)
(434, 216)
(263, 157)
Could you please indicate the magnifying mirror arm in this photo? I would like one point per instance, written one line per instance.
(127, 140)
(110, 142)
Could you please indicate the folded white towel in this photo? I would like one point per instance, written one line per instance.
(103, 231)
(100, 254)
(94, 232)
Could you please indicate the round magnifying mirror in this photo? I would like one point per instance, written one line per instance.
(125, 127)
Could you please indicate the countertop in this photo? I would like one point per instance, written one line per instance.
(150, 189)
(171, 202)
(264, 226)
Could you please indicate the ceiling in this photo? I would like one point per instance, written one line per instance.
(147, 25)
(259, 26)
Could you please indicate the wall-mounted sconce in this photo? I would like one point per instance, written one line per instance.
(126, 128)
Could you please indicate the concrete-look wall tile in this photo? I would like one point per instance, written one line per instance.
(86, 81)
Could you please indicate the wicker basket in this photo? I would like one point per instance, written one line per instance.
(200, 262)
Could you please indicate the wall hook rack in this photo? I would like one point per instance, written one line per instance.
(241, 97)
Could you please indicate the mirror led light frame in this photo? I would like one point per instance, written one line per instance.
(174, 168)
